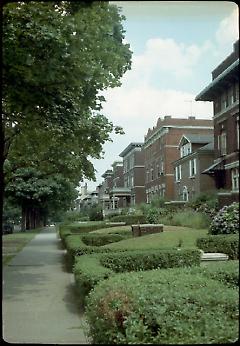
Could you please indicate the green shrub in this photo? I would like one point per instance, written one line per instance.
(162, 307)
(226, 272)
(95, 213)
(228, 244)
(87, 273)
(129, 219)
(226, 221)
(155, 214)
(96, 239)
(150, 259)
(76, 247)
(90, 269)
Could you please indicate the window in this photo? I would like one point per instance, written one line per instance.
(178, 173)
(152, 174)
(192, 167)
(132, 180)
(222, 143)
(185, 149)
(185, 193)
(235, 179)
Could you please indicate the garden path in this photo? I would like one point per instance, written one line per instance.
(39, 303)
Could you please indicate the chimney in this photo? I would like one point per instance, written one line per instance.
(191, 118)
(167, 117)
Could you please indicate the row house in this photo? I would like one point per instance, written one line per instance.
(196, 154)
(133, 174)
(115, 193)
(161, 149)
(223, 91)
(103, 190)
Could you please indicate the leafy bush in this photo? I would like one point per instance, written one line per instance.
(228, 244)
(95, 213)
(129, 219)
(150, 259)
(155, 215)
(167, 306)
(226, 272)
(87, 273)
(226, 221)
(96, 239)
(90, 269)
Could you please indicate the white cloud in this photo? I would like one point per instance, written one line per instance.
(228, 31)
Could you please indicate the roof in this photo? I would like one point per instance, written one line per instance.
(209, 146)
(130, 147)
(216, 166)
(197, 139)
(207, 94)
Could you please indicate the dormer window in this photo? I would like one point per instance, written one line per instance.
(185, 149)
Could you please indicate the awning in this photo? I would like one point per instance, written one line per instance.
(217, 166)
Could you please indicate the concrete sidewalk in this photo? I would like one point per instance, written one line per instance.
(39, 304)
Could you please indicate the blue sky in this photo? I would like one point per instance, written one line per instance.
(176, 45)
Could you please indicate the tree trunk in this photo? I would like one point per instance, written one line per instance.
(24, 217)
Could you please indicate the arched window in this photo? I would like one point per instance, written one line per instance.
(185, 193)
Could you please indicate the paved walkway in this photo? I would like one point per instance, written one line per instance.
(39, 303)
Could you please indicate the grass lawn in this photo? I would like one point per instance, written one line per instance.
(169, 238)
(13, 243)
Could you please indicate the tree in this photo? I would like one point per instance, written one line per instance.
(57, 57)
(38, 195)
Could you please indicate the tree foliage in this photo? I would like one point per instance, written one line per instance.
(57, 58)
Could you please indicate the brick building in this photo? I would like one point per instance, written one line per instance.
(115, 193)
(103, 190)
(133, 174)
(196, 154)
(224, 92)
(161, 149)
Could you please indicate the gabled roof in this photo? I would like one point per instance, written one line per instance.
(196, 139)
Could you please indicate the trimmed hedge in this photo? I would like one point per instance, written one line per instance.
(69, 229)
(150, 259)
(228, 244)
(226, 272)
(129, 219)
(96, 239)
(90, 269)
(162, 307)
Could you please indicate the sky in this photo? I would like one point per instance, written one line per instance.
(175, 45)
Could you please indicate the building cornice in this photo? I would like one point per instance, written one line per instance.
(165, 129)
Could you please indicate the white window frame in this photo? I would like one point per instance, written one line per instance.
(192, 167)
(178, 173)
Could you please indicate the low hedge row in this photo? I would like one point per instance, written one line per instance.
(94, 239)
(69, 229)
(90, 269)
(228, 244)
(150, 259)
(129, 219)
(167, 306)
(225, 272)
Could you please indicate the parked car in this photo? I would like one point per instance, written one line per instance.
(7, 228)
